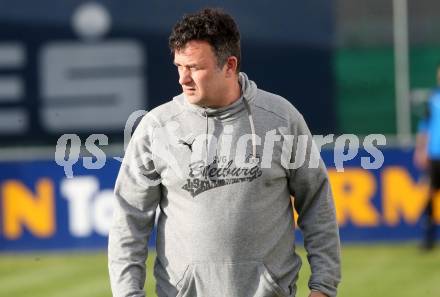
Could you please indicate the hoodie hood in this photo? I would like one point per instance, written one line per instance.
(230, 112)
(227, 113)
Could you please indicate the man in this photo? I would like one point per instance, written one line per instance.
(427, 158)
(217, 160)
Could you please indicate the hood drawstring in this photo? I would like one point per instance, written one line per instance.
(206, 137)
(253, 134)
(251, 122)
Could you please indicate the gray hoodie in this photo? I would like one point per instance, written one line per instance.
(222, 179)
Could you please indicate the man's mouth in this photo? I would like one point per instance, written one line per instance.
(189, 90)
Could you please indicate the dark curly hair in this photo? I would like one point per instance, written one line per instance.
(213, 26)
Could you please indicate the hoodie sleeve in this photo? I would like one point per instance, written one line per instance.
(310, 186)
(138, 193)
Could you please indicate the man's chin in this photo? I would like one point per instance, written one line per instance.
(193, 99)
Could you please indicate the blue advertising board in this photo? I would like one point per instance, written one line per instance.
(40, 208)
(101, 61)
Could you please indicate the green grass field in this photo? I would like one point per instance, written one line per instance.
(373, 271)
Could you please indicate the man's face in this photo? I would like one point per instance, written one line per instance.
(202, 81)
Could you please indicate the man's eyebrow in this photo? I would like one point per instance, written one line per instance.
(189, 65)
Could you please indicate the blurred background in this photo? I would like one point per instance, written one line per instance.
(81, 68)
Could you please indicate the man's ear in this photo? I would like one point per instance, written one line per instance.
(231, 66)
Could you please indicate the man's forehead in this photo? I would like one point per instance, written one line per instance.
(194, 50)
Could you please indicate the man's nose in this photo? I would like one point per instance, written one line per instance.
(184, 76)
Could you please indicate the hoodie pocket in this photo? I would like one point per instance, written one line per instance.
(184, 283)
(248, 279)
(273, 283)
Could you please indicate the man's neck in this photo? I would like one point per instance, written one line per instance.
(233, 94)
